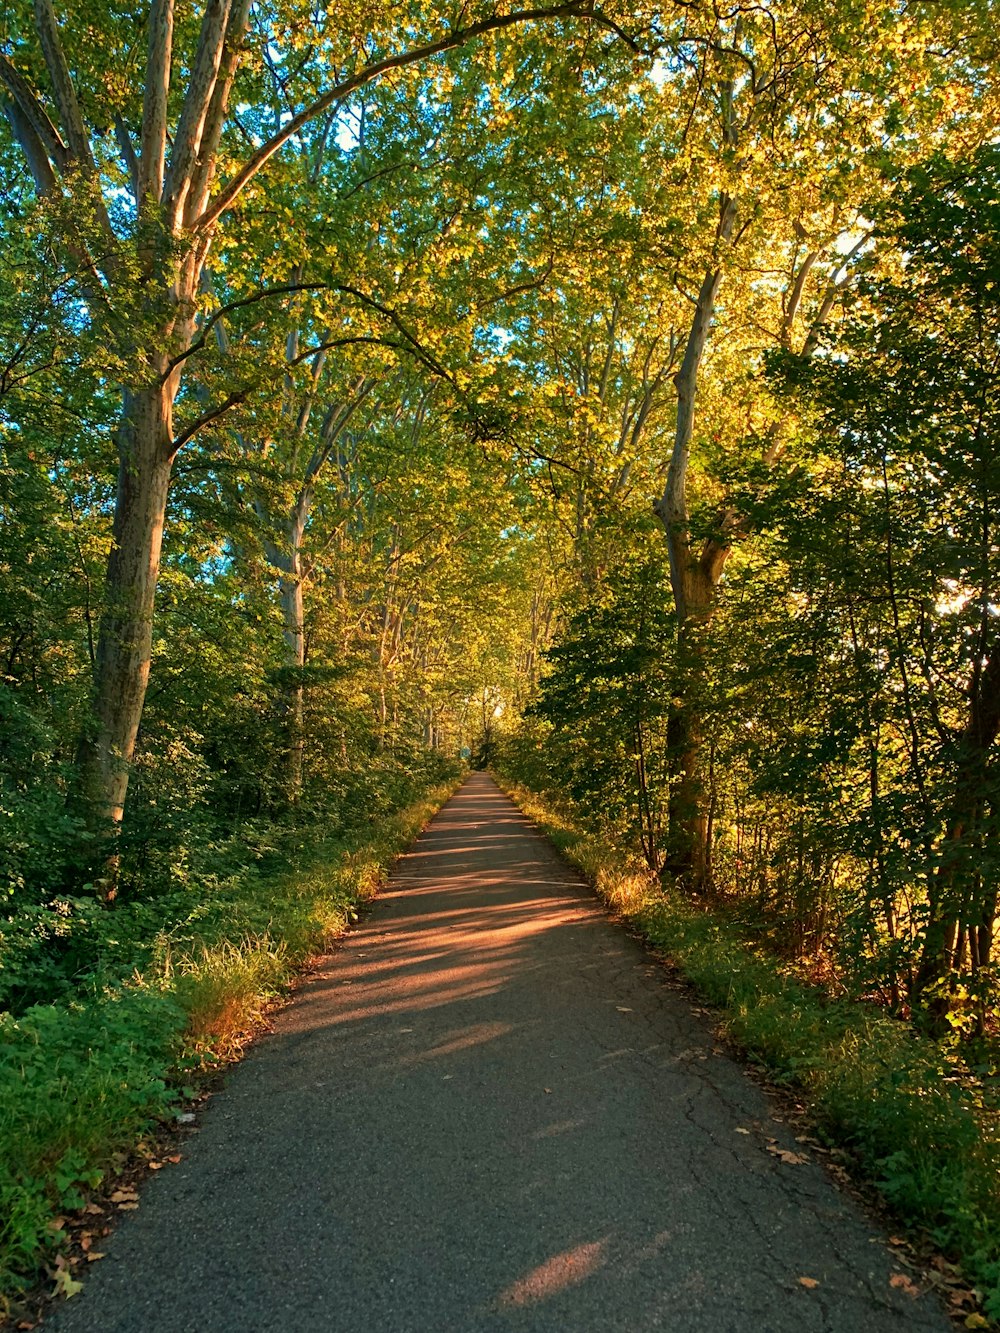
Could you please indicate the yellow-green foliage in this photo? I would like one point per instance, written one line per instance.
(926, 1133)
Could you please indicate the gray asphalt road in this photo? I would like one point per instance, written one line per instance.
(489, 1112)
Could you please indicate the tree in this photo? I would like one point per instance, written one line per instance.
(782, 129)
(908, 391)
(172, 148)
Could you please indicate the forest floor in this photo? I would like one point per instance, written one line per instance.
(488, 1109)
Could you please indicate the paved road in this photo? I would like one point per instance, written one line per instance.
(489, 1112)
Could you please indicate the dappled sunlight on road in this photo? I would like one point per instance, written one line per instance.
(447, 928)
(564, 1270)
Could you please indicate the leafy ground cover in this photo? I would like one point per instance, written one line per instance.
(922, 1127)
(81, 1080)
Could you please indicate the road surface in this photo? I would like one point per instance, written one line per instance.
(489, 1111)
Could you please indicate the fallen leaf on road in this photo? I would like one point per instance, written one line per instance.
(623, 1008)
(66, 1284)
(741, 1130)
(93, 1256)
(902, 1283)
(546, 1089)
(124, 1196)
(174, 1157)
(809, 1282)
(789, 1158)
(127, 1207)
(93, 1209)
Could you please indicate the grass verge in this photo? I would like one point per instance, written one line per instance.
(80, 1083)
(926, 1135)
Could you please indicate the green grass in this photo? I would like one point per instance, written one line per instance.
(927, 1134)
(81, 1082)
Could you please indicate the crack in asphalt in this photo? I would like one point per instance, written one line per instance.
(488, 1111)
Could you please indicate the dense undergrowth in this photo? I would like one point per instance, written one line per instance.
(83, 1076)
(920, 1125)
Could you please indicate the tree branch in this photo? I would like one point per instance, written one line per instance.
(459, 37)
(62, 84)
(241, 304)
(153, 143)
(127, 150)
(33, 148)
(206, 418)
(201, 85)
(35, 114)
(204, 171)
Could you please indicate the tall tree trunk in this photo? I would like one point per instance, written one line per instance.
(292, 606)
(954, 905)
(124, 647)
(694, 578)
(293, 611)
(687, 845)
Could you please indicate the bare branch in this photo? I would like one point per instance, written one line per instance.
(414, 344)
(336, 422)
(529, 285)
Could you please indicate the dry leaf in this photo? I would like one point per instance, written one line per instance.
(789, 1158)
(741, 1130)
(155, 1166)
(623, 1008)
(902, 1283)
(124, 1196)
(93, 1209)
(93, 1256)
(809, 1282)
(174, 1157)
(127, 1207)
(66, 1284)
